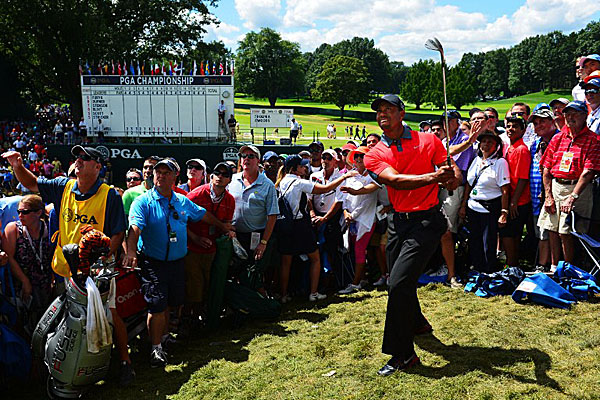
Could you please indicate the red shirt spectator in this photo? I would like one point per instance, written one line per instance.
(518, 157)
(567, 156)
(223, 211)
(416, 153)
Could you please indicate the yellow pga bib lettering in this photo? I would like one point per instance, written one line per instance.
(72, 216)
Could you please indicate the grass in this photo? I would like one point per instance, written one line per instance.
(501, 105)
(481, 349)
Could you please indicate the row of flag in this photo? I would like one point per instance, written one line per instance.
(154, 68)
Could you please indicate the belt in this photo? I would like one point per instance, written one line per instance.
(417, 214)
(566, 181)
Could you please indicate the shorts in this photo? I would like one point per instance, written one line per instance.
(379, 239)
(451, 205)
(293, 134)
(301, 241)
(163, 283)
(197, 276)
(514, 226)
(582, 206)
(540, 233)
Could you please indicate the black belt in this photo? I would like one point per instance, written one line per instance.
(417, 214)
(566, 181)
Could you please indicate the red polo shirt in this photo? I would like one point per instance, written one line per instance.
(518, 157)
(223, 211)
(584, 149)
(420, 152)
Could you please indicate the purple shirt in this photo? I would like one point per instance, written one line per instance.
(463, 160)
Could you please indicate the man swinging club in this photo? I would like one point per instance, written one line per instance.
(406, 162)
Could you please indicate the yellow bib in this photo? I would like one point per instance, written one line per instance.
(72, 216)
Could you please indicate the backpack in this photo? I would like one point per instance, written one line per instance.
(287, 220)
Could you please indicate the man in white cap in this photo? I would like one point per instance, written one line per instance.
(196, 174)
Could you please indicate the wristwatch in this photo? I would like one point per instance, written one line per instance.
(263, 241)
(575, 196)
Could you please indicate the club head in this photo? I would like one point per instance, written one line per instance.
(434, 44)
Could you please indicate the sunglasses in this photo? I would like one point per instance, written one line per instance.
(196, 167)
(85, 157)
(248, 156)
(592, 91)
(224, 174)
(133, 179)
(518, 114)
(175, 213)
(315, 150)
(26, 212)
(327, 157)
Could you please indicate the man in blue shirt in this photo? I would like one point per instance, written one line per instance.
(157, 241)
(545, 129)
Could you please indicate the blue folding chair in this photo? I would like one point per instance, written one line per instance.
(588, 243)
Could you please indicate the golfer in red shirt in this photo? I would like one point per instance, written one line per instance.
(412, 165)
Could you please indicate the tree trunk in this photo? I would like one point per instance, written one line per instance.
(417, 106)
(272, 101)
(342, 112)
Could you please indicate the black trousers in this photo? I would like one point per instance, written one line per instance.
(483, 237)
(411, 243)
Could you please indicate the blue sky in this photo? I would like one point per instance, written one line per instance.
(401, 27)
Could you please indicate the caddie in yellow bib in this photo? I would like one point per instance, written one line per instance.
(74, 214)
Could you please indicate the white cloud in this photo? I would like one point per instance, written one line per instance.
(259, 13)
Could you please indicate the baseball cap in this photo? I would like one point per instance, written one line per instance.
(541, 113)
(492, 135)
(576, 105)
(225, 165)
(332, 153)
(594, 82)
(423, 123)
(595, 57)
(250, 147)
(295, 160)
(269, 154)
(196, 160)
(559, 100)
(316, 144)
(169, 163)
(90, 151)
(541, 106)
(390, 98)
(361, 150)
(349, 146)
(452, 114)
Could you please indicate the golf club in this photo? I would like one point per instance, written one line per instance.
(434, 44)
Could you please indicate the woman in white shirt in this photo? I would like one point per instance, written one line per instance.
(299, 235)
(360, 207)
(485, 202)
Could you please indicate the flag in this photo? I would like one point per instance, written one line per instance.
(131, 68)
(214, 68)
(232, 66)
(164, 69)
(99, 68)
(170, 68)
(207, 69)
(193, 71)
(87, 68)
(201, 67)
(180, 68)
(221, 70)
(112, 63)
(125, 67)
(105, 68)
(119, 68)
(80, 68)
(139, 71)
(226, 70)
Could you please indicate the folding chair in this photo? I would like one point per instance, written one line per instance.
(588, 243)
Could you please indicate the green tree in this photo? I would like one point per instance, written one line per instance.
(268, 66)
(521, 77)
(47, 40)
(461, 87)
(398, 72)
(494, 73)
(550, 62)
(587, 39)
(314, 65)
(416, 86)
(473, 62)
(344, 81)
(435, 89)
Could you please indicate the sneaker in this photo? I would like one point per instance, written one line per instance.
(363, 284)
(168, 342)
(126, 373)
(350, 289)
(286, 299)
(316, 296)
(455, 284)
(396, 364)
(501, 255)
(553, 268)
(158, 358)
(381, 281)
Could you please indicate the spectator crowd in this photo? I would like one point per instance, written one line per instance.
(311, 224)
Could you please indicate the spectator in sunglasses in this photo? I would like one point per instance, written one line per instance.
(592, 97)
(147, 184)
(133, 178)
(196, 174)
(202, 238)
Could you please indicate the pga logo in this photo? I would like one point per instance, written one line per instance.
(115, 153)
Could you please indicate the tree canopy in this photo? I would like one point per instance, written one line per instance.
(268, 66)
(416, 85)
(343, 81)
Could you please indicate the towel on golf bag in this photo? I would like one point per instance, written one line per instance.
(97, 327)
(496, 284)
(577, 281)
(541, 289)
(250, 302)
(15, 355)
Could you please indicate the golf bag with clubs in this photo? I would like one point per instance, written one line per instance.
(61, 336)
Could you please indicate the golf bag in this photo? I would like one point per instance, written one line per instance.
(60, 337)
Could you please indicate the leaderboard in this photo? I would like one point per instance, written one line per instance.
(156, 106)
